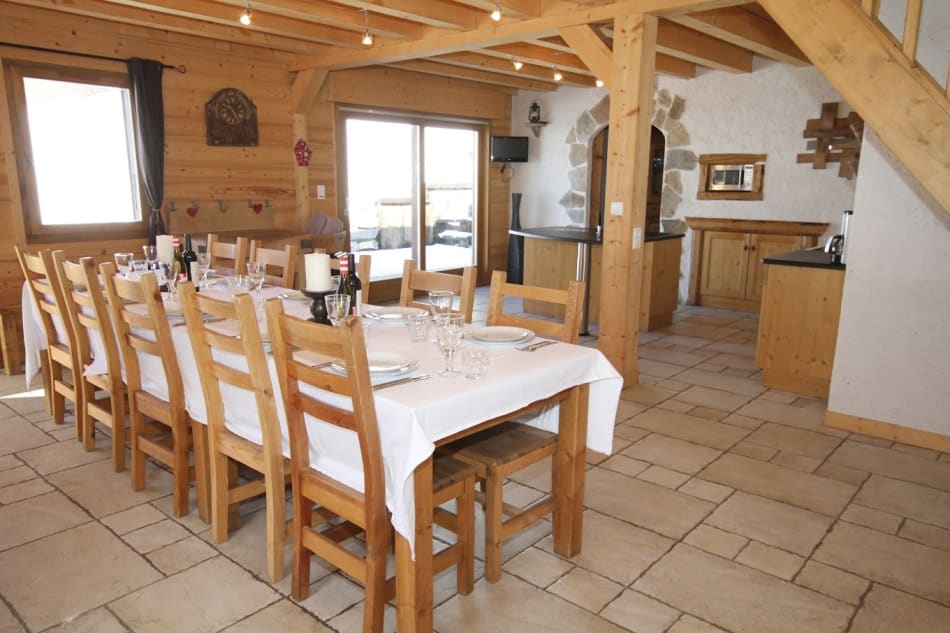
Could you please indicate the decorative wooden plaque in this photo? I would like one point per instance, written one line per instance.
(836, 140)
(231, 119)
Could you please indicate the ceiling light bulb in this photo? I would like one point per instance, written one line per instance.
(557, 75)
(246, 16)
(517, 63)
(367, 38)
(496, 13)
(599, 83)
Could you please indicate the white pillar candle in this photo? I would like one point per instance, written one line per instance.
(317, 267)
(165, 248)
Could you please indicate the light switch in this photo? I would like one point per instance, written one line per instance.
(321, 192)
(616, 208)
(637, 237)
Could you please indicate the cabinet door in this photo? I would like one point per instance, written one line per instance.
(760, 247)
(725, 264)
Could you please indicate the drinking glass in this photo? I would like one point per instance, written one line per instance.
(338, 307)
(418, 327)
(204, 267)
(256, 272)
(440, 301)
(139, 266)
(449, 328)
(123, 262)
(474, 362)
(151, 255)
(238, 283)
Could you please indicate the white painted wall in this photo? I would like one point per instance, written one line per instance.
(892, 359)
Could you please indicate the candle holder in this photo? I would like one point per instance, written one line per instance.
(318, 307)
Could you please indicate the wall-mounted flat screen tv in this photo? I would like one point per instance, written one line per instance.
(509, 149)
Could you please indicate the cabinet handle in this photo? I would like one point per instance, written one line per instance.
(752, 248)
(745, 247)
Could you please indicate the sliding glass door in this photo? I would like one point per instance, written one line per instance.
(411, 191)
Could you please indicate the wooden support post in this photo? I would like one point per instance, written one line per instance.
(303, 94)
(631, 104)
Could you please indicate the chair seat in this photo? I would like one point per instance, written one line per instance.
(501, 444)
(446, 471)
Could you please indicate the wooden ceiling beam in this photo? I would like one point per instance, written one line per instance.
(595, 54)
(493, 64)
(509, 8)
(747, 29)
(443, 15)
(336, 16)
(471, 74)
(679, 41)
(537, 55)
(675, 66)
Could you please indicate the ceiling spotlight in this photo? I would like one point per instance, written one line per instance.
(246, 16)
(599, 83)
(496, 13)
(557, 75)
(367, 36)
(517, 63)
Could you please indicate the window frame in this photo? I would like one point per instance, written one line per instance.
(34, 229)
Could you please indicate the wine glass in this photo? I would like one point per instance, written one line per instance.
(151, 255)
(338, 307)
(440, 301)
(204, 267)
(449, 328)
(256, 272)
(123, 262)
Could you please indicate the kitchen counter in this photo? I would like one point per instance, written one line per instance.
(581, 235)
(808, 258)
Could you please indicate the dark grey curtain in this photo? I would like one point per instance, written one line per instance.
(148, 109)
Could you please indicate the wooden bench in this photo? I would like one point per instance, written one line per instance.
(11, 337)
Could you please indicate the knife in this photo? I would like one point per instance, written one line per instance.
(401, 381)
(534, 346)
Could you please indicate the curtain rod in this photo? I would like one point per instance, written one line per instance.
(180, 68)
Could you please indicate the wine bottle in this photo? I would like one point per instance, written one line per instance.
(179, 269)
(346, 282)
(190, 259)
(356, 283)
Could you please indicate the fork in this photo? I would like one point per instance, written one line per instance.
(534, 346)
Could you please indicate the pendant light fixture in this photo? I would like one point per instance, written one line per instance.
(367, 36)
(517, 63)
(599, 83)
(246, 16)
(557, 74)
(496, 13)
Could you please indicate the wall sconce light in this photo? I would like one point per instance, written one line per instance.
(496, 13)
(367, 36)
(599, 83)
(246, 16)
(557, 74)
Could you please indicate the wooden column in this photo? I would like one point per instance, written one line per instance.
(303, 93)
(631, 104)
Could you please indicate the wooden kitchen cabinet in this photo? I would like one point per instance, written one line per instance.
(726, 268)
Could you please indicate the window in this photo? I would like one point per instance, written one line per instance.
(75, 152)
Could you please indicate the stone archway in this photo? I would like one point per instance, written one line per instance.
(667, 111)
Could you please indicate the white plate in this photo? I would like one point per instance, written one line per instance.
(396, 313)
(381, 363)
(501, 334)
(295, 296)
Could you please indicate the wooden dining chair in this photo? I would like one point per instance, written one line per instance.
(511, 446)
(225, 258)
(62, 369)
(420, 281)
(364, 510)
(103, 394)
(282, 261)
(155, 391)
(240, 363)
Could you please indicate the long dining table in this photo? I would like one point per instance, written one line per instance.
(416, 417)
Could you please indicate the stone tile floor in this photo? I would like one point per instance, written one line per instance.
(725, 507)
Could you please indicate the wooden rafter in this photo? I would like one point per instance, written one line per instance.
(485, 62)
(685, 43)
(509, 8)
(471, 74)
(335, 15)
(443, 15)
(747, 29)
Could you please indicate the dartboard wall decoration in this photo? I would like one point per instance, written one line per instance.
(231, 118)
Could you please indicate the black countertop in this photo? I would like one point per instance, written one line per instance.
(578, 234)
(808, 258)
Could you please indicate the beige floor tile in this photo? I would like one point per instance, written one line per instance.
(332, 595)
(245, 545)
(684, 358)
(796, 462)
(804, 490)
(63, 434)
(742, 421)
(659, 369)
(585, 589)
(676, 405)
(280, 616)
(627, 409)
(674, 385)
(735, 361)
(183, 554)
(615, 549)
(24, 490)
(646, 380)
(193, 600)
(689, 428)
(771, 522)
(65, 455)
(716, 541)
(631, 433)
(640, 613)
(152, 537)
(537, 476)
(513, 604)
(685, 343)
(36, 517)
(73, 561)
(707, 490)
(794, 440)
(191, 520)
(16, 474)
(906, 499)
(538, 567)
(669, 452)
(927, 534)
(689, 624)
(919, 451)
(8, 621)
(708, 413)
(625, 465)
(9, 461)
(771, 560)
(833, 582)
(520, 495)
(663, 477)
(888, 559)
(893, 464)
(842, 473)
(101, 491)
(697, 330)
(739, 598)
(351, 620)
(665, 511)
(787, 414)
(885, 609)
(754, 451)
(739, 349)
(28, 402)
(867, 439)
(16, 434)
(133, 518)
(646, 394)
(713, 380)
(874, 519)
(96, 621)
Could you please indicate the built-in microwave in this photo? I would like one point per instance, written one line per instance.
(731, 177)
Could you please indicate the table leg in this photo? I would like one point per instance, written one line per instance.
(414, 577)
(569, 467)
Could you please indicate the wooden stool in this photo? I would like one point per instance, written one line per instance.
(11, 333)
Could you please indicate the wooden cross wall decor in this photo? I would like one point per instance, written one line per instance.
(836, 140)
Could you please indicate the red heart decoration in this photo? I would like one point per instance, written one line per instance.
(258, 207)
(192, 211)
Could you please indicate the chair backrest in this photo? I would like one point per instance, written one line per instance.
(141, 325)
(235, 255)
(251, 375)
(282, 260)
(36, 271)
(299, 380)
(572, 299)
(415, 280)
